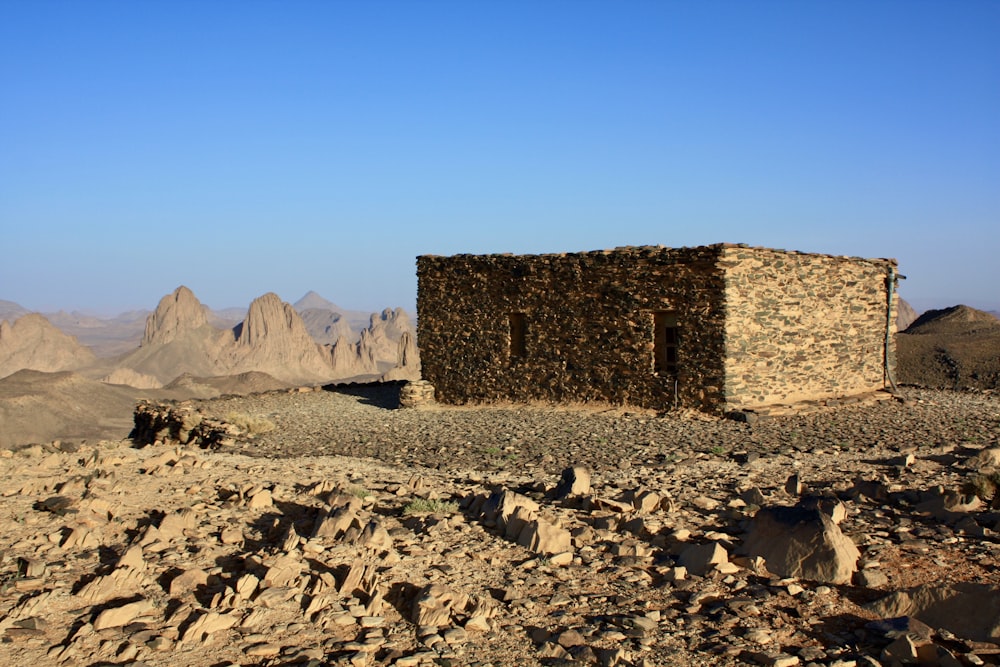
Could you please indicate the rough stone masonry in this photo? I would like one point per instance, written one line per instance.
(717, 328)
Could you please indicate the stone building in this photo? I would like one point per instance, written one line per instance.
(718, 328)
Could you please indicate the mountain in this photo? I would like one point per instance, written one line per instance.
(960, 319)
(359, 342)
(408, 367)
(327, 327)
(349, 360)
(178, 352)
(273, 339)
(227, 318)
(176, 314)
(178, 339)
(11, 311)
(384, 332)
(355, 319)
(905, 315)
(312, 342)
(312, 300)
(952, 348)
(31, 342)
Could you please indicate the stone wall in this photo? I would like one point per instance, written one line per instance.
(588, 326)
(803, 326)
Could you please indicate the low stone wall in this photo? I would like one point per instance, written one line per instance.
(416, 394)
(164, 424)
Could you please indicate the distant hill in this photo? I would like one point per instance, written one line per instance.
(40, 407)
(10, 311)
(959, 320)
(320, 307)
(227, 318)
(37, 407)
(31, 342)
(952, 348)
(105, 337)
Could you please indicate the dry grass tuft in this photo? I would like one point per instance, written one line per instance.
(249, 423)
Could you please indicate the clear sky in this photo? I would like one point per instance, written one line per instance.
(246, 147)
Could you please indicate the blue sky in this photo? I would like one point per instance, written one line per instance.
(246, 147)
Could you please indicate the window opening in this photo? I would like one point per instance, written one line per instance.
(665, 343)
(518, 347)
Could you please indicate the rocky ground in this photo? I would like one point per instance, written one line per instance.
(328, 528)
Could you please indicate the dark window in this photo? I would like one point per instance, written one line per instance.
(665, 343)
(518, 348)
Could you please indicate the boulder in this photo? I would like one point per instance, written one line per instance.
(575, 482)
(544, 537)
(115, 617)
(700, 559)
(434, 604)
(969, 610)
(801, 542)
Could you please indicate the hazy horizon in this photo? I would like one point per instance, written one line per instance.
(919, 305)
(247, 148)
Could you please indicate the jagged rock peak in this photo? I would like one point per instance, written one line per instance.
(408, 366)
(176, 313)
(391, 317)
(269, 321)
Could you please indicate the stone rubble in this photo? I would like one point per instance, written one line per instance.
(174, 554)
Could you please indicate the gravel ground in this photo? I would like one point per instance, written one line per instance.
(360, 422)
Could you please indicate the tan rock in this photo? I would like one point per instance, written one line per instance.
(231, 535)
(173, 525)
(132, 558)
(260, 500)
(434, 604)
(544, 537)
(575, 482)
(700, 559)
(803, 543)
(969, 610)
(188, 581)
(646, 501)
(115, 617)
(247, 585)
(209, 623)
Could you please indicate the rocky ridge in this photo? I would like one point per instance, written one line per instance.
(955, 348)
(326, 527)
(272, 338)
(182, 336)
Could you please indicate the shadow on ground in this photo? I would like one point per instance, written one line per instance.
(383, 395)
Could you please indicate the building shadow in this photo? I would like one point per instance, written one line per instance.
(383, 395)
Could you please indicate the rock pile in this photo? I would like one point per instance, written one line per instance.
(416, 393)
